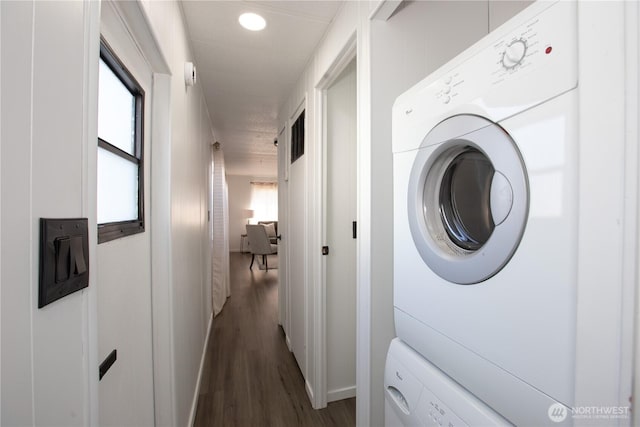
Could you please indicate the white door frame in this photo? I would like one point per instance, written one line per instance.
(341, 61)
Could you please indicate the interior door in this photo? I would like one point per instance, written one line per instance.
(125, 393)
(297, 250)
(283, 194)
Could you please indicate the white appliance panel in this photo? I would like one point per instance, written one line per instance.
(515, 330)
(530, 304)
(476, 81)
(436, 400)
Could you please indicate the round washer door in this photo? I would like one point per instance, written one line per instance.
(468, 199)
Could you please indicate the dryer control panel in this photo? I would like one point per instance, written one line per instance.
(534, 45)
(433, 413)
(521, 64)
(416, 392)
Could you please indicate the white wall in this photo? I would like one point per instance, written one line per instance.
(49, 358)
(48, 363)
(608, 201)
(191, 136)
(239, 200)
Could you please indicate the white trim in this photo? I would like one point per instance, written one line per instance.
(91, 349)
(307, 240)
(603, 309)
(302, 106)
(309, 390)
(196, 392)
(89, 197)
(384, 9)
(363, 313)
(286, 132)
(140, 30)
(282, 196)
(161, 254)
(340, 62)
(31, 237)
(631, 305)
(320, 299)
(341, 393)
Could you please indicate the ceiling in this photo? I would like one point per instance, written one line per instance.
(247, 76)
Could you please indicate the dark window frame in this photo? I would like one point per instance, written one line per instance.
(114, 230)
(297, 137)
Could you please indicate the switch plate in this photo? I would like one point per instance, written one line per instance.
(64, 258)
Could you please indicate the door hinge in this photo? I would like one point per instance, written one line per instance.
(354, 229)
(325, 250)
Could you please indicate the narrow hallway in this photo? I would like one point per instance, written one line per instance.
(250, 378)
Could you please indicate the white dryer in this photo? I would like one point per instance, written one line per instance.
(485, 204)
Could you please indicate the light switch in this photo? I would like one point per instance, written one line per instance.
(64, 258)
(77, 255)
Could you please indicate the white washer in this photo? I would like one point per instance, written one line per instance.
(419, 394)
(485, 204)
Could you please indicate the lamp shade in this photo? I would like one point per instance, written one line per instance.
(248, 213)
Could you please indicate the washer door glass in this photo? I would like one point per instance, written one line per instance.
(468, 199)
(465, 199)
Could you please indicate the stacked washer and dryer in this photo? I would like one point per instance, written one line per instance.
(485, 157)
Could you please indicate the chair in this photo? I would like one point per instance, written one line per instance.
(259, 244)
(272, 230)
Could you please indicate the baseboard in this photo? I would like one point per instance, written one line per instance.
(288, 341)
(309, 390)
(194, 403)
(341, 393)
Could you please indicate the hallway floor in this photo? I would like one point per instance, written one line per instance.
(250, 378)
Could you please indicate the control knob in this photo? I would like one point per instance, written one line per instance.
(514, 53)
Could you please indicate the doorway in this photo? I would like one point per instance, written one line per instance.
(340, 226)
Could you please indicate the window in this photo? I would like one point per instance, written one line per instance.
(297, 138)
(120, 148)
(264, 201)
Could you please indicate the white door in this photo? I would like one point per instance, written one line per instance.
(124, 278)
(297, 249)
(283, 210)
(340, 197)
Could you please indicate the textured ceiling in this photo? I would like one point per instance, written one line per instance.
(247, 75)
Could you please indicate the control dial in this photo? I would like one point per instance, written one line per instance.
(514, 53)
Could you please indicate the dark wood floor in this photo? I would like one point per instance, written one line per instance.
(250, 378)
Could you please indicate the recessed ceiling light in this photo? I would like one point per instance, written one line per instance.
(252, 21)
